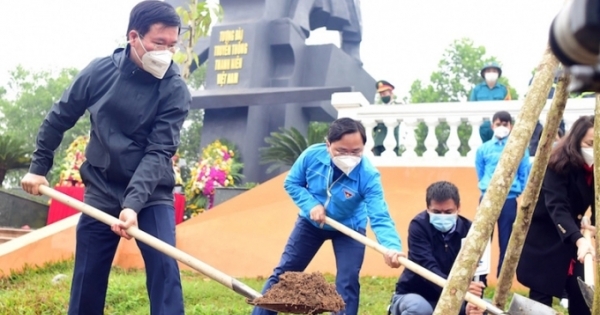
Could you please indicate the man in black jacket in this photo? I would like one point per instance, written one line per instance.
(138, 102)
(434, 240)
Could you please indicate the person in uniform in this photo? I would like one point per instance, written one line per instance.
(489, 90)
(386, 93)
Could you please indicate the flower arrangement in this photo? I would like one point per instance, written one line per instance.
(217, 167)
(69, 175)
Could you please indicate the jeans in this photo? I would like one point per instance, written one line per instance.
(414, 304)
(304, 242)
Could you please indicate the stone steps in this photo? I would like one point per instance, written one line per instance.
(7, 234)
(4, 239)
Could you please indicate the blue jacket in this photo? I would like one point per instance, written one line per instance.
(433, 250)
(354, 198)
(486, 160)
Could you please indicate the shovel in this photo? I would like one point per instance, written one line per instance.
(519, 305)
(209, 271)
(587, 285)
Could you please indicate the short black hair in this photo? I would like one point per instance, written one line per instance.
(442, 191)
(502, 116)
(343, 126)
(150, 12)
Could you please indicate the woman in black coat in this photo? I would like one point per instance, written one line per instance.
(554, 247)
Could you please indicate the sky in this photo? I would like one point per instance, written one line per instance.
(403, 40)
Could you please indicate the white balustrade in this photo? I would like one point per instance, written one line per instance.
(455, 114)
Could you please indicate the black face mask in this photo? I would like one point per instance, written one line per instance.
(386, 99)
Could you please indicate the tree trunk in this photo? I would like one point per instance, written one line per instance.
(489, 210)
(531, 193)
(596, 305)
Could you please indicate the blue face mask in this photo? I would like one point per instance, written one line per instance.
(442, 222)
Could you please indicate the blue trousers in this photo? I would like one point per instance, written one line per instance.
(95, 249)
(301, 248)
(414, 304)
(506, 220)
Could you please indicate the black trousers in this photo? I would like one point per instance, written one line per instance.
(576, 302)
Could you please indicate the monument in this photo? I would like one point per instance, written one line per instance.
(262, 76)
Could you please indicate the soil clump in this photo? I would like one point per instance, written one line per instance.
(303, 293)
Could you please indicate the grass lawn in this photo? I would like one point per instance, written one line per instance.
(33, 293)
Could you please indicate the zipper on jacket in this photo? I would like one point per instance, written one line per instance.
(329, 187)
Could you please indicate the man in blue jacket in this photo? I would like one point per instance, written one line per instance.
(434, 240)
(332, 179)
(486, 160)
(137, 102)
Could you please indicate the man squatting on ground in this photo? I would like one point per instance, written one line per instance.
(434, 239)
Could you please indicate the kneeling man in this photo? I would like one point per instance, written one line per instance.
(434, 240)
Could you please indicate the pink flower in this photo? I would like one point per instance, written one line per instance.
(208, 188)
(218, 176)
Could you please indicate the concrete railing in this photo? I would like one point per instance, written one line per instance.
(456, 137)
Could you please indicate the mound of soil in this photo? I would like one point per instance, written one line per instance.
(310, 290)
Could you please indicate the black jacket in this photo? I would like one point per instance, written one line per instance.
(135, 124)
(432, 250)
(555, 227)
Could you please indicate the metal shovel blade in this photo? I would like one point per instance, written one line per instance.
(587, 292)
(289, 308)
(521, 305)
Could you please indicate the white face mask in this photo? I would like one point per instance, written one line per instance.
(588, 155)
(155, 62)
(491, 77)
(501, 132)
(346, 163)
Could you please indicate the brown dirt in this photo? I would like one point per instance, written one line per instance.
(310, 290)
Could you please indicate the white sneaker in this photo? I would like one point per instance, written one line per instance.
(564, 303)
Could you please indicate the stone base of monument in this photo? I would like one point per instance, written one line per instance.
(17, 209)
(223, 194)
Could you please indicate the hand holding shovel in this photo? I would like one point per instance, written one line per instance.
(211, 272)
(587, 285)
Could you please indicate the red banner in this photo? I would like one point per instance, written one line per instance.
(58, 211)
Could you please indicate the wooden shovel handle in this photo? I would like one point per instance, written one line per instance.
(410, 265)
(588, 260)
(154, 242)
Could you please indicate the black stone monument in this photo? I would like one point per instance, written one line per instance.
(262, 76)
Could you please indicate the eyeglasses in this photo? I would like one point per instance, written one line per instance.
(159, 47)
(172, 49)
(344, 152)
